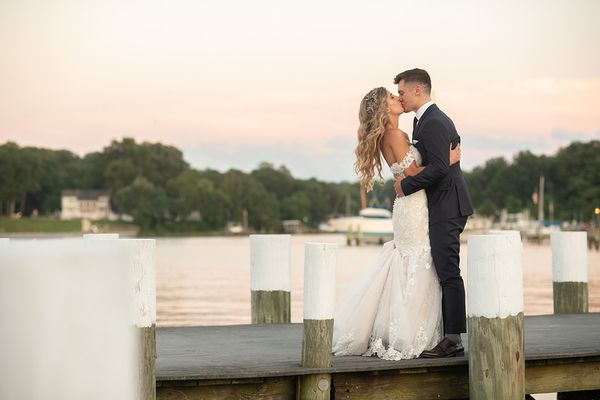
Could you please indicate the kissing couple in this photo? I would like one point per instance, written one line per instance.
(410, 302)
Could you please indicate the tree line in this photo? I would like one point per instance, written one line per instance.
(158, 188)
(572, 183)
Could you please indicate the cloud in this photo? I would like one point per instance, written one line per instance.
(341, 143)
(567, 136)
(329, 161)
(503, 144)
(549, 85)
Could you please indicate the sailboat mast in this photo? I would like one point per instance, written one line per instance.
(541, 201)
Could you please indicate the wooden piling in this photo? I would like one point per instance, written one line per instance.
(495, 317)
(570, 284)
(270, 279)
(349, 235)
(141, 262)
(65, 316)
(569, 272)
(319, 307)
(359, 236)
(143, 274)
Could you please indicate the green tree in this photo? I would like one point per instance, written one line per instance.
(147, 203)
(20, 176)
(246, 194)
(320, 201)
(575, 175)
(277, 181)
(57, 170)
(120, 173)
(296, 206)
(191, 193)
(485, 184)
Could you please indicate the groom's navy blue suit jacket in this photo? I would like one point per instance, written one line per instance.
(447, 194)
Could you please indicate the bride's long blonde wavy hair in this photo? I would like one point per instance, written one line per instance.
(373, 118)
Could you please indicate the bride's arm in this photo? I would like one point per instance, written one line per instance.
(413, 170)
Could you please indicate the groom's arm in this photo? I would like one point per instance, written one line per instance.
(435, 137)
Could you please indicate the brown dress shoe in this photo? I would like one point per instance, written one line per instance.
(445, 348)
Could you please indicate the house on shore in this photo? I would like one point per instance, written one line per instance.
(85, 204)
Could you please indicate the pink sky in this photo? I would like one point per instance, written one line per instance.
(236, 83)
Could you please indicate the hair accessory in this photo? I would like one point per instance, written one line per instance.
(371, 101)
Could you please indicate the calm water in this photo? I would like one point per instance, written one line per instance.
(206, 281)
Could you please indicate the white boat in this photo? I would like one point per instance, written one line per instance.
(372, 225)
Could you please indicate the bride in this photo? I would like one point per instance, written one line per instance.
(394, 308)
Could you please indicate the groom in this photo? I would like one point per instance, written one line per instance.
(447, 198)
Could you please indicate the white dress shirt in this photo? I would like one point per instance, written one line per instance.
(422, 110)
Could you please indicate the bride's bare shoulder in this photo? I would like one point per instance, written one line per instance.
(395, 137)
(394, 132)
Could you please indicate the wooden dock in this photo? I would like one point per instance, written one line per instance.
(562, 353)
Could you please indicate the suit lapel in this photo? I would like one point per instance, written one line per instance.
(420, 124)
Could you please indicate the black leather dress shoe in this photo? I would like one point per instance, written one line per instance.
(445, 348)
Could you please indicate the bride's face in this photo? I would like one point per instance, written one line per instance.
(394, 105)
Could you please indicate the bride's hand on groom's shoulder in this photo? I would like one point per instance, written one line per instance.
(454, 154)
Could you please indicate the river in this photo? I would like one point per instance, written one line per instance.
(206, 280)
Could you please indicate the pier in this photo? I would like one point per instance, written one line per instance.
(562, 354)
(509, 355)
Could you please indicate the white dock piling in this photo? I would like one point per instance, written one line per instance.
(495, 317)
(319, 308)
(569, 272)
(64, 307)
(270, 279)
(141, 268)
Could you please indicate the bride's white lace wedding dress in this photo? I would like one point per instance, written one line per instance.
(393, 309)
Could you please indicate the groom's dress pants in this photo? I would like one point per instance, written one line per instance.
(445, 248)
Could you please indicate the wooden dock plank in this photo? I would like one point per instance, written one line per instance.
(252, 351)
(557, 377)
(450, 383)
(274, 388)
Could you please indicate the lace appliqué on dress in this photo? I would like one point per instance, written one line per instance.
(376, 346)
(398, 168)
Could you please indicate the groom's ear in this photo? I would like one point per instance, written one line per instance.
(418, 89)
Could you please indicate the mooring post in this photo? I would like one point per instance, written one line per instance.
(570, 285)
(359, 236)
(141, 261)
(495, 317)
(319, 307)
(270, 279)
(569, 272)
(349, 235)
(65, 312)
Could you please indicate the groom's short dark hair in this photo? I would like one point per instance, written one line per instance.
(416, 75)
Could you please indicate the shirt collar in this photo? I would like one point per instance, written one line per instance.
(422, 109)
